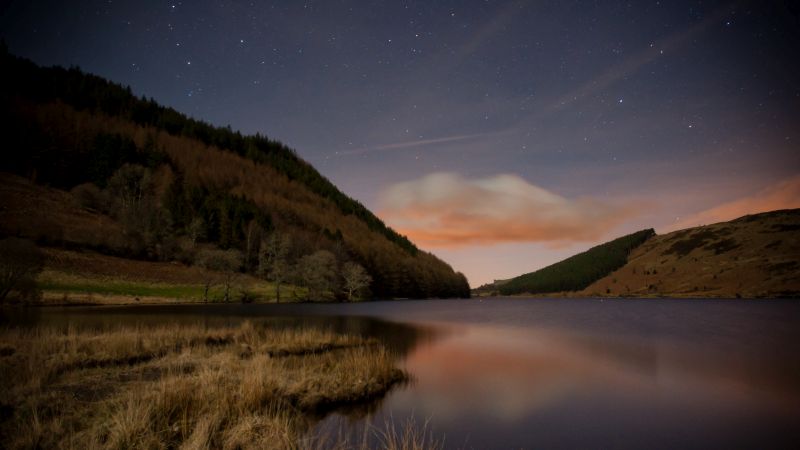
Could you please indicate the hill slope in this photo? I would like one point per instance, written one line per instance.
(579, 271)
(753, 256)
(153, 179)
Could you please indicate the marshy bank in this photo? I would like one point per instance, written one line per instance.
(189, 386)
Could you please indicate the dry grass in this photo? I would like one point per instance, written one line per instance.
(390, 436)
(187, 387)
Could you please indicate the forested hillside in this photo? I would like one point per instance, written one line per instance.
(181, 189)
(579, 271)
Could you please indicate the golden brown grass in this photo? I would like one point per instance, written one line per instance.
(390, 436)
(185, 386)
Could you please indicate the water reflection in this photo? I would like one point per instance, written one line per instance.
(490, 387)
(397, 337)
(553, 373)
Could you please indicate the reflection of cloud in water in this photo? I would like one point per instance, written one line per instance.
(510, 375)
(491, 372)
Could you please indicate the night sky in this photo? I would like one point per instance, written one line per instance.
(501, 135)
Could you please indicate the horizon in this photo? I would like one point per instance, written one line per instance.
(515, 145)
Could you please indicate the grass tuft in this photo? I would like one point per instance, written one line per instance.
(182, 386)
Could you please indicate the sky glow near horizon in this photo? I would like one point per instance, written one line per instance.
(500, 135)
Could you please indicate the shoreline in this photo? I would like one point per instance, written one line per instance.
(96, 300)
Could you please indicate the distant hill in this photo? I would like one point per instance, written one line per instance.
(753, 256)
(577, 272)
(142, 181)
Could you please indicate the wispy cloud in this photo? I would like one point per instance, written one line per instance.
(784, 194)
(447, 210)
(631, 65)
(416, 143)
(496, 24)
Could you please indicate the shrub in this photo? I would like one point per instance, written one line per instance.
(20, 262)
(89, 196)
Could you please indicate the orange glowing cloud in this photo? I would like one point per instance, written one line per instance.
(784, 194)
(447, 210)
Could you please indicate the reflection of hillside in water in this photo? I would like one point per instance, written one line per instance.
(709, 361)
(399, 338)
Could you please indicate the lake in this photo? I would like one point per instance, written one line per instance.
(551, 373)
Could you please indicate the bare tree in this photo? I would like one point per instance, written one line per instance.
(318, 273)
(226, 262)
(273, 260)
(132, 192)
(196, 230)
(20, 262)
(253, 234)
(129, 186)
(355, 277)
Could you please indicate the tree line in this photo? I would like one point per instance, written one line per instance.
(322, 275)
(220, 232)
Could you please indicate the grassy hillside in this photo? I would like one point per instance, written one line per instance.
(129, 178)
(753, 256)
(579, 271)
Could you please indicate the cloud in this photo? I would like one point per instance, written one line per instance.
(784, 194)
(447, 210)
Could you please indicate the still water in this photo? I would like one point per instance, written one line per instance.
(547, 373)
